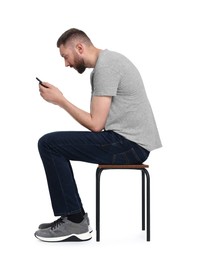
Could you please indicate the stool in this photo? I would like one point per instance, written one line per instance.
(144, 172)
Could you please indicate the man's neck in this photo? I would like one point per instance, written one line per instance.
(92, 57)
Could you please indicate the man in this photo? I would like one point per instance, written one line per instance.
(121, 123)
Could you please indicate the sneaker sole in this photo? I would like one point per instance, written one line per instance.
(73, 237)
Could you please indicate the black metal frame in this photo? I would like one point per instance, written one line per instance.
(145, 202)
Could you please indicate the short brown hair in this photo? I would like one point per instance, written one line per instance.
(71, 34)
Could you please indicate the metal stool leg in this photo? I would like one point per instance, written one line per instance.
(148, 202)
(98, 174)
(143, 200)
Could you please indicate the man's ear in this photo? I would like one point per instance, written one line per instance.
(79, 48)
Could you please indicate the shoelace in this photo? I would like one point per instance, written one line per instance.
(57, 223)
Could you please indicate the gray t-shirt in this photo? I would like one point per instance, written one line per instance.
(130, 113)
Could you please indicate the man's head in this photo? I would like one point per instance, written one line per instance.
(72, 45)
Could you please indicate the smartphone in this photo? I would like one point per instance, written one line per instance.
(41, 83)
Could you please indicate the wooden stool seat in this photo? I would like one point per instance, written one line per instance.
(144, 171)
(122, 166)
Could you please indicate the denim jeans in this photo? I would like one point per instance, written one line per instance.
(57, 149)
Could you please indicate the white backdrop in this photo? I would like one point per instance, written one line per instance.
(163, 40)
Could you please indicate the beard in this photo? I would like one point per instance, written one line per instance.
(79, 64)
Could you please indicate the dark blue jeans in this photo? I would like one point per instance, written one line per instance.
(59, 148)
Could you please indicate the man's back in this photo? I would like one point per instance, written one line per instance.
(130, 114)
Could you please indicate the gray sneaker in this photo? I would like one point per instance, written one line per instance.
(64, 230)
(48, 225)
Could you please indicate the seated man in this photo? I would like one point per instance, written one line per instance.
(121, 125)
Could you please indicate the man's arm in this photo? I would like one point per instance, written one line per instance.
(94, 121)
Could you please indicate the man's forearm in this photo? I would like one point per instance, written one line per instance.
(81, 116)
(94, 121)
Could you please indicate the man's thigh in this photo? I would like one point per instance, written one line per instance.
(94, 147)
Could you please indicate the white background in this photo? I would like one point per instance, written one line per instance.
(162, 38)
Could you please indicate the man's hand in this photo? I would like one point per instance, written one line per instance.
(51, 94)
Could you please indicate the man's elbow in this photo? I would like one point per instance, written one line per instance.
(97, 128)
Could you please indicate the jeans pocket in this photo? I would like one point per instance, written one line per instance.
(127, 157)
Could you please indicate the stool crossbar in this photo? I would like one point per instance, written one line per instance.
(145, 194)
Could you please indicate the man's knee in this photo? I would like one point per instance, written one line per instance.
(45, 140)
